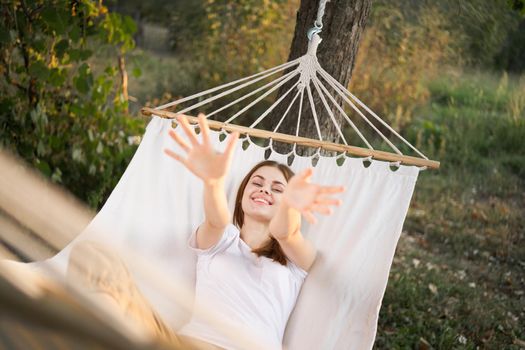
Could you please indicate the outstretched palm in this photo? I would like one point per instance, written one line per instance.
(201, 159)
(307, 197)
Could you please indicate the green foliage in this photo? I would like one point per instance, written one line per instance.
(55, 112)
(401, 48)
(164, 77)
(407, 44)
(474, 123)
(517, 5)
(233, 39)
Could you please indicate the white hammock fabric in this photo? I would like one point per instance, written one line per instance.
(157, 203)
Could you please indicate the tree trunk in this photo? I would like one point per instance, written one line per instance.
(123, 79)
(343, 24)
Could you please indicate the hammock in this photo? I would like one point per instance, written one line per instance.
(157, 204)
(153, 210)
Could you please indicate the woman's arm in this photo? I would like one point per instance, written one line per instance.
(301, 197)
(211, 167)
(285, 227)
(217, 215)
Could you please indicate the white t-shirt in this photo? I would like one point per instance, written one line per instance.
(244, 289)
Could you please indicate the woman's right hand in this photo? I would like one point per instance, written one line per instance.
(201, 159)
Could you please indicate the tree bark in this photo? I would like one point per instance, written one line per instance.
(343, 25)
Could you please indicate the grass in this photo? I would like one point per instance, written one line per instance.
(458, 280)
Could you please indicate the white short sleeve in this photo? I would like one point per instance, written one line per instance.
(230, 234)
(296, 270)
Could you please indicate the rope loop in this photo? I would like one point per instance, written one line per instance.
(270, 145)
(294, 149)
(396, 164)
(341, 155)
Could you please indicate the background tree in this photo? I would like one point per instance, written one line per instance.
(343, 25)
(61, 110)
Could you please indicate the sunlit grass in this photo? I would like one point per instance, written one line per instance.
(457, 281)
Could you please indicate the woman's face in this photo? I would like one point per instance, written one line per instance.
(263, 193)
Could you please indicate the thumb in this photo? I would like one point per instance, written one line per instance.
(306, 174)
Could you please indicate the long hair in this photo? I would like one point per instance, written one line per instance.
(271, 249)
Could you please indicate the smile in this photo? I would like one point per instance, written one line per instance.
(261, 201)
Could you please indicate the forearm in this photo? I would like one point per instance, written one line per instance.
(285, 227)
(216, 205)
(286, 222)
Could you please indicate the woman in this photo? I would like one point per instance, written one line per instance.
(252, 269)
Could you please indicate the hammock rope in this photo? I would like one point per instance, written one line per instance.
(305, 75)
(320, 13)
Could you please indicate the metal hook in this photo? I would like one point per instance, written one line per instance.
(314, 30)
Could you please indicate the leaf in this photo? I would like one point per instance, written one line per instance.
(43, 167)
(74, 55)
(84, 80)
(39, 70)
(61, 47)
(74, 34)
(57, 175)
(57, 77)
(54, 19)
(75, 109)
(81, 84)
(85, 54)
(39, 45)
(129, 26)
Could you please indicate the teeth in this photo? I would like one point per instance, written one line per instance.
(260, 200)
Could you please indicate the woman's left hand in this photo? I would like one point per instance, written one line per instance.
(308, 198)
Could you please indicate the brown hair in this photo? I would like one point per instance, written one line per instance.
(271, 249)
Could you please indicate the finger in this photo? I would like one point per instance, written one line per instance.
(179, 140)
(309, 217)
(231, 144)
(175, 156)
(183, 121)
(205, 129)
(306, 174)
(332, 189)
(328, 201)
(321, 209)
